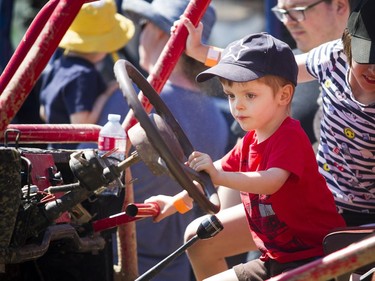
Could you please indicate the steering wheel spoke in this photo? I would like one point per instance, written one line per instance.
(165, 136)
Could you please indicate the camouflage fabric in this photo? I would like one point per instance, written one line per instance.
(10, 192)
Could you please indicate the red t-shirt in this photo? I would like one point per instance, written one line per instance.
(290, 224)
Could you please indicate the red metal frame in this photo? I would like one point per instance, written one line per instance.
(52, 133)
(143, 210)
(37, 47)
(32, 56)
(26, 43)
(338, 263)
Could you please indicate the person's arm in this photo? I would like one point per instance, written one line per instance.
(181, 202)
(208, 54)
(42, 113)
(91, 117)
(261, 182)
(196, 49)
(169, 205)
(303, 74)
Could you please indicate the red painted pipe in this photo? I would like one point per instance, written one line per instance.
(142, 210)
(137, 211)
(27, 41)
(169, 56)
(32, 65)
(335, 264)
(112, 221)
(51, 133)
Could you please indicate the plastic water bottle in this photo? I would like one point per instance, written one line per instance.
(112, 136)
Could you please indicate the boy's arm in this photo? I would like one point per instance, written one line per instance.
(261, 182)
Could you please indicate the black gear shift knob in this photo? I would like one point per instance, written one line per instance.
(209, 227)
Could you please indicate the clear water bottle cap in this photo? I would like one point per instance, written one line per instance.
(114, 117)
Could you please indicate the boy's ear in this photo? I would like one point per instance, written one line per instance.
(286, 94)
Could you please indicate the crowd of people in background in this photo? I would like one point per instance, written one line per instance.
(73, 90)
(333, 43)
(196, 112)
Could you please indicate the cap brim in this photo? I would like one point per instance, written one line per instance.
(137, 10)
(363, 51)
(230, 72)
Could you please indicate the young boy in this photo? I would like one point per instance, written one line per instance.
(345, 71)
(289, 208)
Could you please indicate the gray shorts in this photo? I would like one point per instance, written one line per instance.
(257, 270)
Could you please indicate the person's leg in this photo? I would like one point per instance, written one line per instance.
(228, 275)
(230, 197)
(255, 270)
(207, 257)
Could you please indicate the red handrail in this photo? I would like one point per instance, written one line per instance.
(26, 43)
(34, 52)
(52, 133)
(335, 264)
(137, 211)
(27, 63)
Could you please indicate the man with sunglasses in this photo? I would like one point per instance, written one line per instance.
(311, 23)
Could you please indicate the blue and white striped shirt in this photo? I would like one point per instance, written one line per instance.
(346, 154)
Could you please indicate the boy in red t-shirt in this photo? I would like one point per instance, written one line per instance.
(289, 208)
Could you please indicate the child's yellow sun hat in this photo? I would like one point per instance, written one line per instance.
(98, 28)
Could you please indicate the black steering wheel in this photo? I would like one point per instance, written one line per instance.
(126, 75)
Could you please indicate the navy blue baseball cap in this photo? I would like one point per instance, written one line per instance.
(361, 27)
(253, 57)
(163, 13)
